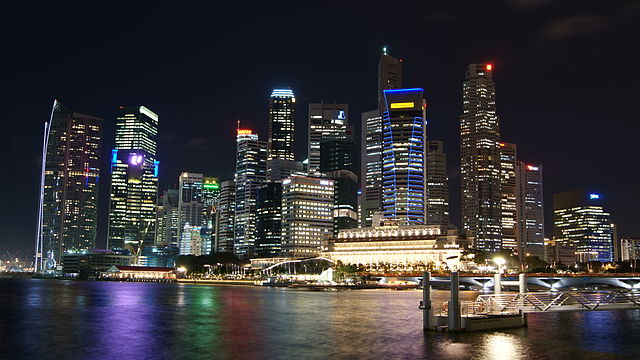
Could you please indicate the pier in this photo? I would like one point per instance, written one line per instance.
(501, 311)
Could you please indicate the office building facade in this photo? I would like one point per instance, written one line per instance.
(134, 179)
(437, 199)
(480, 159)
(168, 218)
(269, 220)
(403, 156)
(508, 185)
(307, 215)
(251, 173)
(70, 179)
(190, 205)
(326, 120)
(581, 220)
(370, 166)
(389, 77)
(530, 209)
(225, 218)
(281, 124)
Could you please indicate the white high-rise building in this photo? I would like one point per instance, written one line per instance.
(307, 215)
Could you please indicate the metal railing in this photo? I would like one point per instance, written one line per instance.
(556, 301)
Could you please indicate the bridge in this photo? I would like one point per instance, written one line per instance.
(551, 282)
(499, 311)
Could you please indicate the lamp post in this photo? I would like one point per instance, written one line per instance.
(500, 261)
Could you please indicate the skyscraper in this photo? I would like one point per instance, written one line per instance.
(251, 169)
(337, 162)
(371, 166)
(530, 207)
(281, 124)
(191, 240)
(508, 184)
(480, 159)
(225, 218)
(580, 220)
(71, 174)
(389, 77)
(437, 200)
(325, 120)
(403, 156)
(134, 178)
(307, 206)
(269, 220)
(168, 234)
(190, 206)
(210, 199)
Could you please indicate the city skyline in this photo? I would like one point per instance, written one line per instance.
(561, 172)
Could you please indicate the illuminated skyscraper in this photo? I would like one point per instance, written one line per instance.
(190, 206)
(480, 159)
(134, 178)
(389, 77)
(530, 202)
(326, 120)
(580, 220)
(403, 156)
(337, 162)
(225, 218)
(371, 166)
(508, 184)
(437, 200)
(281, 124)
(269, 220)
(210, 200)
(191, 240)
(167, 233)
(70, 186)
(251, 169)
(307, 221)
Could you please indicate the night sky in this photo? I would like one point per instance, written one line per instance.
(566, 76)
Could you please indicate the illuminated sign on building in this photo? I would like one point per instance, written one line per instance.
(135, 159)
(402, 105)
(594, 196)
(341, 115)
(532, 168)
(244, 132)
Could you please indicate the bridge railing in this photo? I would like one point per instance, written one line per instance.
(557, 301)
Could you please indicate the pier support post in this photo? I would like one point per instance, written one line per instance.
(426, 301)
(522, 283)
(454, 318)
(497, 284)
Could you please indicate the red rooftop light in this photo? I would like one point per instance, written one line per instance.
(489, 67)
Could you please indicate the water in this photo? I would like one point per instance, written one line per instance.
(49, 319)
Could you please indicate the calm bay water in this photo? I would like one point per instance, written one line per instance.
(48, 319)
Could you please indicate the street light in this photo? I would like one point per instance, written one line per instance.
(500, 261)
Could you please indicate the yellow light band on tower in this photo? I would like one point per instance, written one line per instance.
(402, 105)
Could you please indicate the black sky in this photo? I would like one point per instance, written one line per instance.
(567, 78)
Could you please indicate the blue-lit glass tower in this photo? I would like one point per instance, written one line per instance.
(403, 156)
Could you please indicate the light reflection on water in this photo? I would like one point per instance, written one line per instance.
(108, 320)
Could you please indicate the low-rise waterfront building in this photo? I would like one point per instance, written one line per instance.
(391, 246)
(121, 272)
(92, 262)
